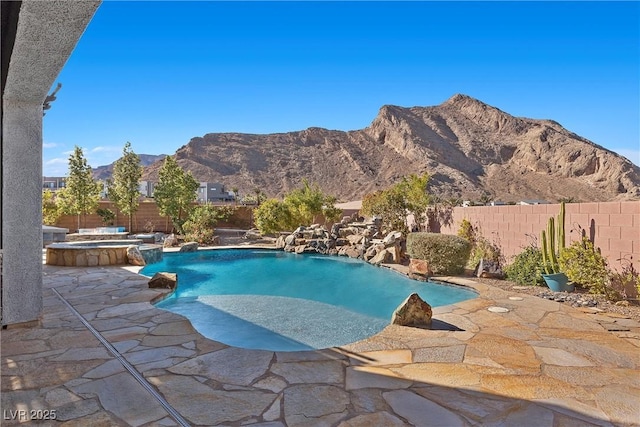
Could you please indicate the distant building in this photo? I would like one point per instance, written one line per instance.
(533, 202)
(146, 188)
(214, 192)
(53, 183)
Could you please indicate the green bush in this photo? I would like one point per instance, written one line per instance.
(585, 266)
(526, 267)
(446, 254)
(199, 227)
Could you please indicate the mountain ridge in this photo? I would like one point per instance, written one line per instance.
(468, 147)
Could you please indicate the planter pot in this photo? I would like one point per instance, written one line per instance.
(558, 282)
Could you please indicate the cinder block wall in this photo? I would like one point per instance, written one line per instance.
(613, 226)
(148, 213)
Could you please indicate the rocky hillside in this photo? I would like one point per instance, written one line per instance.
(468, 147)
(104, 172)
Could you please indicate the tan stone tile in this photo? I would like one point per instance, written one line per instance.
(173, 328)
(231, 365)
(374, 419)
(358, 377)
(444, 374)
(562, 320)
(414, 408)
(620, 403)
(327, 372)
(593, 376)
(382, 357)
(556, 356)
(314, 405)
(508, 352)
(529, 386)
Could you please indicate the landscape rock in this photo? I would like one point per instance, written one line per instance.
(164, 280)
(385, 256)
(419, 267)
(413, 311)
(392, 237)
(280, 242)
(253, 234)
(134, 256)
(489, 269)
(170, 241)
(290, 239)
(189, 247)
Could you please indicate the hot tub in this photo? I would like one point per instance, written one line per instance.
(99, 253)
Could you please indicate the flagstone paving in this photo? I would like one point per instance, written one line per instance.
(540, 363)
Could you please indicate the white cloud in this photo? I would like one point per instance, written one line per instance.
(49, 145)
(633, 155)
(56, 161)
(105, 149)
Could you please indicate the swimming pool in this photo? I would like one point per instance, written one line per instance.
(275, 300)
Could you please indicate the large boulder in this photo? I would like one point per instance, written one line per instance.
(280, 242)
(164, 280)
(489, 269)
(419, 269)
(413, 311)
(385, 256)
(392, 237)
(134, 256)
(290, 239)
(189, 247)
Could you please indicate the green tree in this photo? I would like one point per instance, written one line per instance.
(272, 216)
(301, 206)
(389, 205)
(199, 227)
(417, 199)
(174, 192)
(50, 210)
(395, 203)
(307, 203)
(81, 193)
(123, 187)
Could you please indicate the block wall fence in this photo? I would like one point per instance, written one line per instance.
(614, 227)
(148, 213)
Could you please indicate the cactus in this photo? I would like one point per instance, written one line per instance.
(553, 241)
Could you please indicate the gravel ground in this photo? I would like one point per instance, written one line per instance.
(579, 297)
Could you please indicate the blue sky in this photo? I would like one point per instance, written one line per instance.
(159, 73)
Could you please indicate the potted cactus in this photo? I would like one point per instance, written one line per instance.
(553, 241)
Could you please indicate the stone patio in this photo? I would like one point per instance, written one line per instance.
(539, 364)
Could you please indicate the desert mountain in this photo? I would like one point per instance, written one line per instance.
(469, 148)
(104, 172)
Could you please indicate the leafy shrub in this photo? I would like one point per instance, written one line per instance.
(107, 216)
(446, 254)
(585, 266)
(526, 267)
(481, 247)
(199, 227)
(622, 281)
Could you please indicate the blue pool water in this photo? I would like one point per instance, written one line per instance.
(274, 300)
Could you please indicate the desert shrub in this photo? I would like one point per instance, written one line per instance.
(481, 247)
(621, 281)
(107, 216)
(526, 267)
(585, 266)
(446, 254)
(199, 226)
(467, 231)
